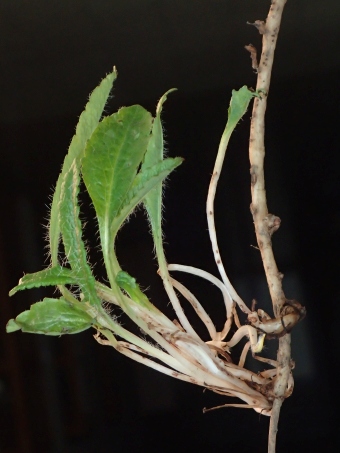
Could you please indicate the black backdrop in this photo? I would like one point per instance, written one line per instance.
(70, 394)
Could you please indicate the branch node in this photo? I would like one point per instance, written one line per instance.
(253, 174)
(253, 209)
(273, 223)
(260, 25)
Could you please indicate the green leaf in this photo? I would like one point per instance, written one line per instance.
(153, 200)
(52, 276)
(88, 121)
(71, 230)
(12, 326)
(155, 151)
(154, 155)
(112, 157)
(51, 317)
(128, 283)
(238, 105)
(144, 182)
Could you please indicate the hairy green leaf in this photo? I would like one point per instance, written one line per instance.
(112, 157)
(48, 277)
(143, 183)
(71, 230)
(154, 155)
(87, 123)
(51, 317)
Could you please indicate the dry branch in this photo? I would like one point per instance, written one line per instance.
(265, 223)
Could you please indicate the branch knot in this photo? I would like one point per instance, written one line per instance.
(260, 25)
(272, 222)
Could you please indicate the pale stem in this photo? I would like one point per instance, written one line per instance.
(177, 306)
(243, 331)
(164, 273)
(212, 373)
(211, 278)
(128, 350)
(150, 325)
(269, 30)
(244, 354)
(201, 313)
(158, 367)
(156, 315)
(271, 362)
(211, 220)
(180, 356)
(239, 406)
(274, 420)
(245, 374)
(236, 318)
(106, 293)
(157, 353)
(227, 326)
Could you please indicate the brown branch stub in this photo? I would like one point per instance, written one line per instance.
(253, 55)
(260, 25)
(273, 223)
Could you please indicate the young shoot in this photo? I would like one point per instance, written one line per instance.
(120, 159)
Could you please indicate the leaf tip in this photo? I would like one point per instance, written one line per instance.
(12, 291)
(12, 326)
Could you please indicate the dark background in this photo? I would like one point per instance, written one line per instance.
(72, 395)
